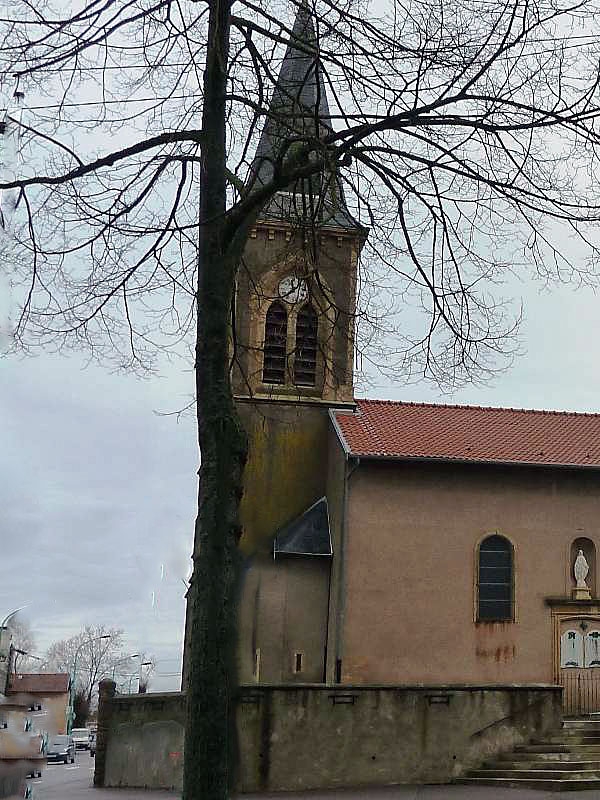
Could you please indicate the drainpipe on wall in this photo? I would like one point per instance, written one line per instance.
(327, 622)
(351, 466)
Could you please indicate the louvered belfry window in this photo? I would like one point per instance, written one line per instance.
(496, 579)
(275, 344)
(305, 360)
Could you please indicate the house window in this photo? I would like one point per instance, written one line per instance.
(495, 580)
(298, 662)
(275, 344)
(305, 360)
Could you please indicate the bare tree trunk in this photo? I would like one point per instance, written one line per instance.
(209, 744)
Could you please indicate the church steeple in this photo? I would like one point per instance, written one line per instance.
(296, 291)
(299, 111)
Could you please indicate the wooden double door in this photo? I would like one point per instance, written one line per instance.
(580, 665)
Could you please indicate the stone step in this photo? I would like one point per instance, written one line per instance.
(566, 760)
(550, 784)
(579, 748)
(569, 738)
(541, 774)
(580, 723)
(545, 757)
(539, 764)
(542, 748)
(580, 730)
(558, 748)
(587, 731)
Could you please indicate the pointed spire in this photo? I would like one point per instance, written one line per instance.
(299, 107)
(299, 103)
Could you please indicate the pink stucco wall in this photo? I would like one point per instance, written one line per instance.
(412, 534)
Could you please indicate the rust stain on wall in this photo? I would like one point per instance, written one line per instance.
(504, 653)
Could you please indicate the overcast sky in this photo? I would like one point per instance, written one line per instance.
(97, 499)
(98, 489)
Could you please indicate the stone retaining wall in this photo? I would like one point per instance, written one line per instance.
(318, 736)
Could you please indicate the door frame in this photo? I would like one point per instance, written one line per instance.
(565, 610)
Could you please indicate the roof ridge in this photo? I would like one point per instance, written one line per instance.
(541, 411)
(44, 674)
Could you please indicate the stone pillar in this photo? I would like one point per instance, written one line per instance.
(107, 690)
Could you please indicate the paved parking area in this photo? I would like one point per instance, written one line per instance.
(74, 782)
(66, 782)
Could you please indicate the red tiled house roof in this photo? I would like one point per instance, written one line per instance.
(386, 429)
(39, 683)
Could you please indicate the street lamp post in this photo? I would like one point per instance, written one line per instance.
(142, 665)
(7, 618)
(5, 655)
(121, 660)
(21, 653)
(74, 675)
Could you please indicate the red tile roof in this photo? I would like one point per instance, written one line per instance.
(39, 683)
(386, 429)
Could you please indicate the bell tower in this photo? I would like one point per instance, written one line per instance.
(292, 362)
(296, 286)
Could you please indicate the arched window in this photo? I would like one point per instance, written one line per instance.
(275, 344)
(305, 360)
(495, 584)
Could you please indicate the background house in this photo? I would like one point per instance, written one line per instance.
(23, 730)
(48, 690)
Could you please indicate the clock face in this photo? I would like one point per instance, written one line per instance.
(293, 289)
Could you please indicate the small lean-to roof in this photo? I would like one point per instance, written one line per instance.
(39, 683)
(307, 535)
(405, 431)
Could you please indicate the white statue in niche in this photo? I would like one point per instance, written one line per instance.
(581, 570)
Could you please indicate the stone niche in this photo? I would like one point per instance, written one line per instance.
(582, 562)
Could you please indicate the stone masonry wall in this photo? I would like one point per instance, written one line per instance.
(140, 739)
(318, 736)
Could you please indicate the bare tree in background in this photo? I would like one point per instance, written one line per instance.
(147, 669)
(23, 643)
(89, 657)
(463, 134)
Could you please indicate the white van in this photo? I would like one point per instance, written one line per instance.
(81, 737)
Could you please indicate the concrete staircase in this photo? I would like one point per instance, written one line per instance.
(568, 760)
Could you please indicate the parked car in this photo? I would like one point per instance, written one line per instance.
(81, 737)
(61, 748)
(92, 743)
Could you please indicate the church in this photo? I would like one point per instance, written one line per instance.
(394, 543)
(420, 579)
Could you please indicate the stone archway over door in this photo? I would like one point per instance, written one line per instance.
(580, 664)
